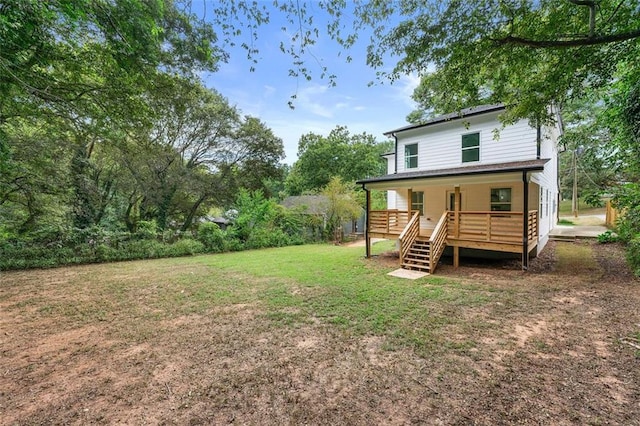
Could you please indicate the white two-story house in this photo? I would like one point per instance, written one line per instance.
(465, 181)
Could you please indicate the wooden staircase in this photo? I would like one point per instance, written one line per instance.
(417, 257)
(421, 253)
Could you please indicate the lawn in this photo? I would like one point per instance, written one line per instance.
(319, 335)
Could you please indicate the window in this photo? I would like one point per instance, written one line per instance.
(546, 205)
(471, 147)
(417, 202)
(411, 156)
(501, 199)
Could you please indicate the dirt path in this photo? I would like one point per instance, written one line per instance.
(549, 346)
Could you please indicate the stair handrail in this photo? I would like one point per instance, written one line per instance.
(438, 241)
(409, 234)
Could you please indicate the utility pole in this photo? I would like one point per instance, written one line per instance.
(574, 199)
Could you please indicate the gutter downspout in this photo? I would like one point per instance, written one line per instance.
(395, 167)
(525, 222)
(558, 111)
(367, 240)
(538, 141)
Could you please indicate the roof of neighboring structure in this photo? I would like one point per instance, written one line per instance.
(312, 204)
(513, 166)
(466, 112)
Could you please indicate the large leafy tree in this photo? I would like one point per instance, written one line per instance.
(526, 54)
(198, 150)
(340, 154)
(77, 73)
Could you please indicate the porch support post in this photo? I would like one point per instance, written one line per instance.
(367, 238)
(525, 222)
(456, 210)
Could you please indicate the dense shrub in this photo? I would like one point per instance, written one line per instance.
(633, 254)
(259, 223)
(212, 237)
(147, 229)
(184, 247)
(108, 248)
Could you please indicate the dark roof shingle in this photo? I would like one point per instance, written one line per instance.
(467, 112)
(513, 166)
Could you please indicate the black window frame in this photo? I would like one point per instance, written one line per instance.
(418, 204)
(470, 148)
(497, 204)
(409, 157)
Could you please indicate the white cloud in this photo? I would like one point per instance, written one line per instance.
(404, 87)
(268, 91)
(310, 99)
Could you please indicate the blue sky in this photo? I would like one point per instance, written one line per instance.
(265, 93)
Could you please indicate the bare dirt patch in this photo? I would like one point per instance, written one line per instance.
(541, 347)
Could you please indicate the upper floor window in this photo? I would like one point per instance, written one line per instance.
(471, 147)
(500, 199)
(417, 202)
(411, 156)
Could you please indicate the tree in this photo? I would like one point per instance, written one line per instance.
(79, 73)
(320, 158)
(197, 150)
(527, 55)
(342, 206)
(588, 138)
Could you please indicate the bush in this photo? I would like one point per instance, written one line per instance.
(607, 237)
(212, 237)
(633, 254)
(184, 247)
(147, 230)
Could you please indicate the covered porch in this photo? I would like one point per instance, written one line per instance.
(509, 232)
(458, 210)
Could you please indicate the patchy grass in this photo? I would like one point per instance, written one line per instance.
(565, 222)
(583, 208)
(320, 335)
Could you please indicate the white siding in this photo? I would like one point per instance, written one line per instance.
(440, 145)
(547, 180)
(391, 200)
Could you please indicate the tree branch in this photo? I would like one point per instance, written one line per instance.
(590, 41)
(592, 13)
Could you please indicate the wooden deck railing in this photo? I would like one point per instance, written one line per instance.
(409, 235)
(438, 241)
(532, 226)
(388, 221)
(497, 227)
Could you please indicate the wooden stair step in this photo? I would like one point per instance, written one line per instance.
(419, 250)
(416, 266)
(417, 256)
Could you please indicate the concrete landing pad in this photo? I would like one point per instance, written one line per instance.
(405, 273)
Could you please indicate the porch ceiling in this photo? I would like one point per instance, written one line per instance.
(486, 173)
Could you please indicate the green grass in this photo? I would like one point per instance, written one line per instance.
(297, 285)
(565, 222)
(288, 287)
(566, 207)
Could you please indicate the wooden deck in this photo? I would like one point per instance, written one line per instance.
(500, 231)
